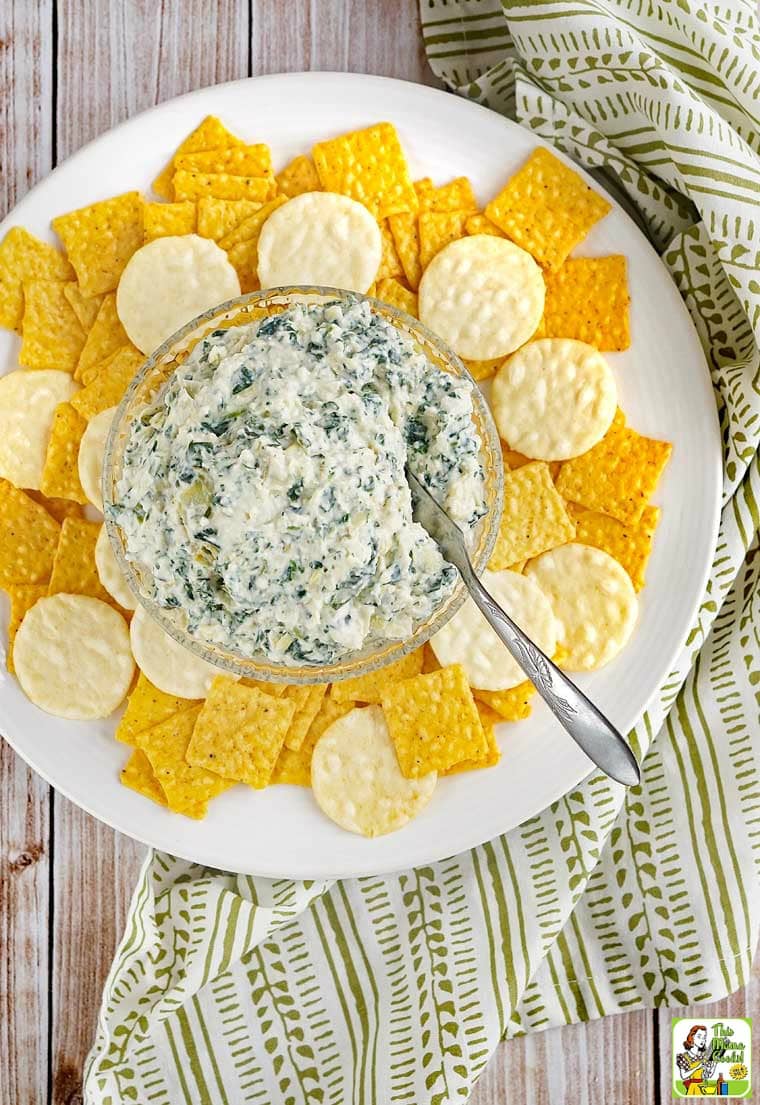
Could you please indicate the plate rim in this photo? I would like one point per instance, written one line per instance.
(474, 838)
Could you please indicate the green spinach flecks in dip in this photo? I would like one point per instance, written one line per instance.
(264, 486)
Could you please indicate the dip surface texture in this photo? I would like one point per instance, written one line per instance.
(264, 486)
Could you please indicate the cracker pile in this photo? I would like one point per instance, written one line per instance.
(498, 283)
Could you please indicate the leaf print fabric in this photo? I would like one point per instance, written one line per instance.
(398, 989)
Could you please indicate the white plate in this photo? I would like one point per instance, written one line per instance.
(665, 391)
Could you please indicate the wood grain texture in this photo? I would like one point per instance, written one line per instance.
(26, 93)
(379, 37)
(26, 151)
(95, 872)
(587, 1064)
(24, 910)
(115, 59)
(112, 59)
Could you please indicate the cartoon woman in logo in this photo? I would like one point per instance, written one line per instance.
(696, 1063)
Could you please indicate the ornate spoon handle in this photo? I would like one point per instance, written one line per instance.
(589, 728)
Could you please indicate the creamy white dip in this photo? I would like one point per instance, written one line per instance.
(264, 486)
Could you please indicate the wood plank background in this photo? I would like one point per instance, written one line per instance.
(69, 70)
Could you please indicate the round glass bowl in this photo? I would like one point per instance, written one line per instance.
(155, 373)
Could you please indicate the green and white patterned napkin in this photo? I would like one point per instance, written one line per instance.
(228, 989)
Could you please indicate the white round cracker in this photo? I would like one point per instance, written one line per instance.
(483, 295)
(593, 601)
(320, 238)
(72, 657)
(92, 448)
(554, 399)
(168, 665)
(27, 402)
(110, 574)
(356, 778)
(469, 640)
(168, 282)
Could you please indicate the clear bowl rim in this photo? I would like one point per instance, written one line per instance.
(366, 660)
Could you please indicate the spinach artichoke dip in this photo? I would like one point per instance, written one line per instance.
(264, 485)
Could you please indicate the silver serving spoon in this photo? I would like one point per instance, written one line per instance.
(589, 728)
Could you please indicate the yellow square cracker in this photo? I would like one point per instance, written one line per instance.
(57, 508)
(457, 195)
(513, 459)
(534, 517)
(299, 176)
(105, 336)
(85, 307)
(22, 598)
(217, 218)
(482, 370)
(390, 262)
(511, 705)
(391, 291)
(370, 687)
(617, 476)
(52, 335)
(247, 161)
(108, 387)
(192, 185)
(249, 230)
(74, 570)
(587, 299)
(24, 258)
(295, 767)
(406, 235)
(240, 732)
(308, 701)
(437, 229)
(433, 721)
(60, 475)
(242, 244)
(429, 660)
(276, 690)
(146, 707)
(244, 259)
(488, 716)
(479, 224)
(137, 774)
(488, 719)
(161, 220)
(629, 543)
(423, 187)
(188, 789)
(101, 238)
(211, 134)
(369, 166)
(329, 712)
(28, 538)
(546, 208)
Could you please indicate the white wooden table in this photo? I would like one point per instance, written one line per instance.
(69, 70)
